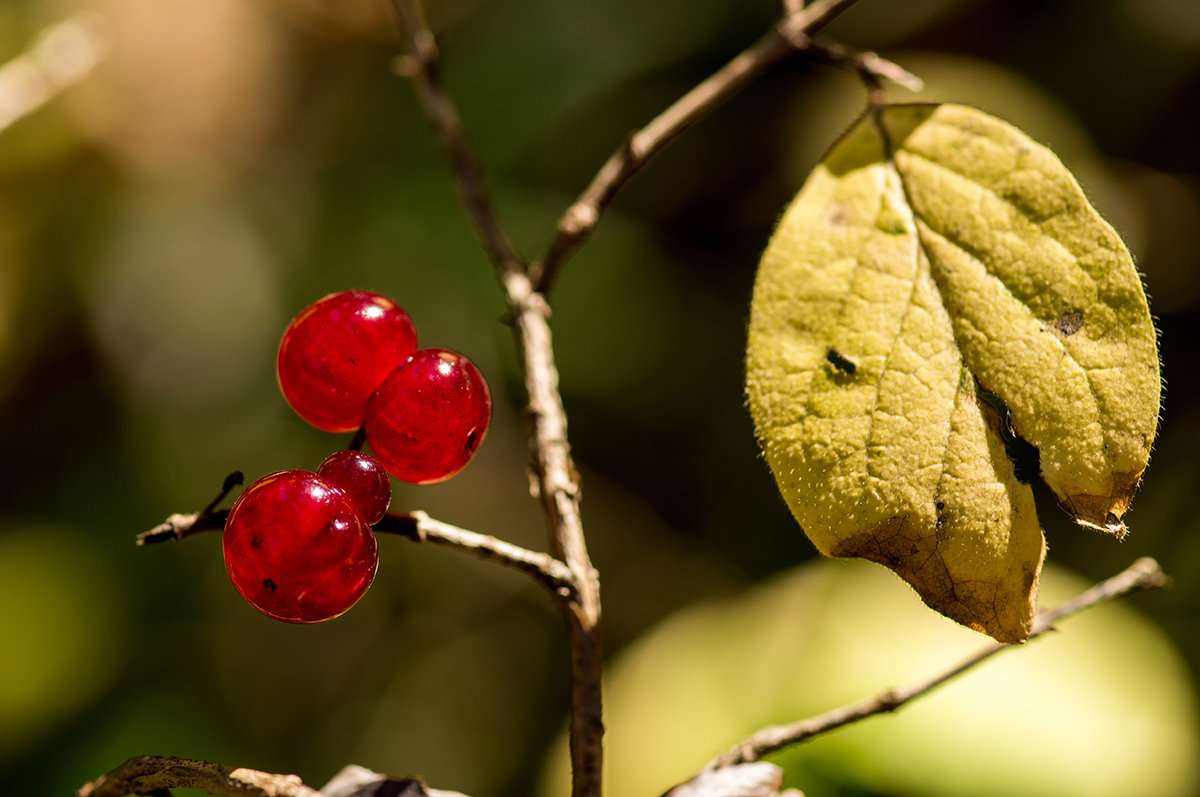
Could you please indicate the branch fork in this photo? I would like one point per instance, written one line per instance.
(567, 573)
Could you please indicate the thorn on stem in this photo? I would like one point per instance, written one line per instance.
(235, 479)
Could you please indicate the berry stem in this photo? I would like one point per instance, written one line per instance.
(416, 526)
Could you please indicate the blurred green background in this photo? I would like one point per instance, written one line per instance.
(231, 161)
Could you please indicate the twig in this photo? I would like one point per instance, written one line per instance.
(416, 526)
(155, 775)
(62, 55)
(872, 69)
(420, 66)
(1143, 574)
(181, 525)
(758, 779)
(556, 477)
(557, 483)
(419, 527)
(790, 34)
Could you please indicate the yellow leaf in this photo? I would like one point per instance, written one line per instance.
(938, 260)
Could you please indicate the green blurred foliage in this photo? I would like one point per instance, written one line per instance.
(232, 160)
(1029, 722)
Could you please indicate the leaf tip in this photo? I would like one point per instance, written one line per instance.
(1109, 524)
(1103, 512)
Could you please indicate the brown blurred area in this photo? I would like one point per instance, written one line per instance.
(227, 162)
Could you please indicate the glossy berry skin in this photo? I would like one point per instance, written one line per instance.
(337, 351)
(429, 416)
(363, 480)
(296, 548)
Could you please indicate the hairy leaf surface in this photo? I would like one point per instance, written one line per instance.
(940, 290)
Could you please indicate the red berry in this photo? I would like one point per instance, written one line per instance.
(297, 549)
(337, 351)
(426, 420)
(362, 478)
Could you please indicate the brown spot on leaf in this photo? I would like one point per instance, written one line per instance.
(900, 546)
(837, 217)
(1069, 322)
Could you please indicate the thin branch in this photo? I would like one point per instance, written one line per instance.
(1144, 574)
(557, 480)
(420, 65)
(872, 68)
(790, 34)
(419, 527)
(556, 477)
(416, 526)
(156, 775)
(557, 483)
(182, 525)
(758, 779)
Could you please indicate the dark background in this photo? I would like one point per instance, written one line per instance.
(233, 160)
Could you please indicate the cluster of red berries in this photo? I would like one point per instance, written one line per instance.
(299, 545)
